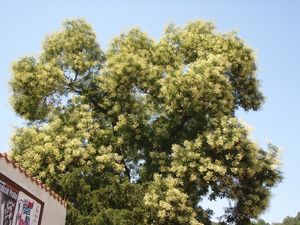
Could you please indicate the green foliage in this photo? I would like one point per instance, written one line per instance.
(141, 133)
(261, 222)
(286, 221)
(290, 220)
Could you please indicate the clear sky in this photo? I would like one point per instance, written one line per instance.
(272, 28)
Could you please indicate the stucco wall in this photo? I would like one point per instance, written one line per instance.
(54, 212)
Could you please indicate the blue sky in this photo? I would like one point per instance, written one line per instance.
(272, 28)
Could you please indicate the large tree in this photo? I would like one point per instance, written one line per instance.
(141, 133)
(286, 221)
(290, 220)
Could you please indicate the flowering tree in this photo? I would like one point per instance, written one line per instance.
(141, 133)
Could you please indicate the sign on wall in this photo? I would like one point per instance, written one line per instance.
(18, 207)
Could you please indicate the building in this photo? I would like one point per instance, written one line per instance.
(25, 200)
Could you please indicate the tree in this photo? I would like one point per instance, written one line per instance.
(286, 221)
(140, 133)
(290, 220)
(261, 222)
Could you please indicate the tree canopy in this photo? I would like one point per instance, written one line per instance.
(290, 220)
(286, 221)
(140, 133)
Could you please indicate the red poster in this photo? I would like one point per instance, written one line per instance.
(27, 211)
